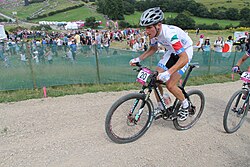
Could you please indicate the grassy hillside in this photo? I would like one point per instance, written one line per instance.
(76, 14)
(26, 11)
(82, 13)
(225, 3)
(134, 19)
(85, 12)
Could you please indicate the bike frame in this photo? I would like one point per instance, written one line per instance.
(169, 110)
(153, 84)
(245, 86)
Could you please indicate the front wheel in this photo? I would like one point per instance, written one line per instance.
(129, 118)
(197, 101)
(235, 112)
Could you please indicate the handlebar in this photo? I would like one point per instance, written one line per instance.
(240, 72)
(139, 67)
(153, 76)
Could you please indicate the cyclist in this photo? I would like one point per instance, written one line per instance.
(175, 60)
(236, 68)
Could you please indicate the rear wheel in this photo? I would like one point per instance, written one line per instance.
(235, 112)
(197, 101)
(124, 126)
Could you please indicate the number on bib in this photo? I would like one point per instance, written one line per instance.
(245, 77)
(143, 75)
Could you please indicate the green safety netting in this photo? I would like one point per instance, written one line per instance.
(93, 65)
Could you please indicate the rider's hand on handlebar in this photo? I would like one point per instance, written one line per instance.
(164, 76)
(236, 69)
(133, 62)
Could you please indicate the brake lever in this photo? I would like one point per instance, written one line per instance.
(139, 67)
(138, 64)
(240, 72)
(154, 75)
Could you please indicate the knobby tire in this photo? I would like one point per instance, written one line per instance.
(123, 106)
(193, 119)
(231, 109)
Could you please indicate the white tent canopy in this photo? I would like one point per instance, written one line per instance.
(71, 26)
(2, 32)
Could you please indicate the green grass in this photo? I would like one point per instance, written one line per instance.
(1, 17)
(20, 95)
(239, 4)
(222, 23)
(76, 14)
(84, 12)
(24, 11)
(134, 19)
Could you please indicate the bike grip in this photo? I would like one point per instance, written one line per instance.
(138, 64)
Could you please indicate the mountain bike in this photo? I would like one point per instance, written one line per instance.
(132, 115)
(237, 106)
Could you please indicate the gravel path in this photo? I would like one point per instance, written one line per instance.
(69, 132)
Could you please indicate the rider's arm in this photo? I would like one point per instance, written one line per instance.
(182, 61)
(149, 52)
(242, 60)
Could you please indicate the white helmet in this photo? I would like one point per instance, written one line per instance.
(151, 16)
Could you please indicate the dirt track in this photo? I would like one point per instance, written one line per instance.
(69, 132)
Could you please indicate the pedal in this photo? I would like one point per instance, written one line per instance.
(182, 115)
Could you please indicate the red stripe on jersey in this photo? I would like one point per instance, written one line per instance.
(177, 46)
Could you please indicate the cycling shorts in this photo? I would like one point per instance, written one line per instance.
(169, 59)
(248, 52)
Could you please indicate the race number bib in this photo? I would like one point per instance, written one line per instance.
(245, 76)
(143, 76)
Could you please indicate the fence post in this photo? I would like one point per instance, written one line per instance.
(97, 65)
(28, 47)
(209, 62)
(234, 58)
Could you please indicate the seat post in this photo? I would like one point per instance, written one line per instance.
(190, 68)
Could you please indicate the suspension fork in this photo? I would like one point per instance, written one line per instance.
(136, 102)
(240, 96)
(140, 111)
(237, 101)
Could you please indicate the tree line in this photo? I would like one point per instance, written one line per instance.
(116, 9)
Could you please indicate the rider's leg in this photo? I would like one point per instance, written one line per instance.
(172, 86)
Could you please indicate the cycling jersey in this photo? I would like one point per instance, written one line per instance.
(176, 41)
(168, 61)
(173, 39)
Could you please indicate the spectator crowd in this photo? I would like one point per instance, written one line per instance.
(222, 48)
(46, 45)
